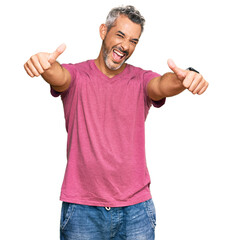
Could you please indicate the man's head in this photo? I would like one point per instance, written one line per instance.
(120, 35)
(128, 11)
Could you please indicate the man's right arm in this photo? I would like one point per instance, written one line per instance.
(45, 64)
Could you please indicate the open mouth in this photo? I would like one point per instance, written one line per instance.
(118, 56)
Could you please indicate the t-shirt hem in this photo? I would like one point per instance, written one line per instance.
(106, 204)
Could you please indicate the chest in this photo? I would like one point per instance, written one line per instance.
(118, 96)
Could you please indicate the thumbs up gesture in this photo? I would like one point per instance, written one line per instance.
(191, 80)
(41, 62)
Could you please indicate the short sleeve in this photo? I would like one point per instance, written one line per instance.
(72, 70)
(147, 77)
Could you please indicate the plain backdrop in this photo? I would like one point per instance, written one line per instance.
(188, 141)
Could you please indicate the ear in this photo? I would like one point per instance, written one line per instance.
(103, 31)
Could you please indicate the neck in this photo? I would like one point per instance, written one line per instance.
(100, 63)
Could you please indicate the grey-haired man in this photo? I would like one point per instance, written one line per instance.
(105, 191)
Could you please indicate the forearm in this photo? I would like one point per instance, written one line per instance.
(170, 85)
(55, 75)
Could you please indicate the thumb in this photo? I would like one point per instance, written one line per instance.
(53, 56)
(180, 73)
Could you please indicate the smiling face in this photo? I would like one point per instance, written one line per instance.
(120, 42)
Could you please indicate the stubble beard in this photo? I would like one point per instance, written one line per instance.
(107, 61)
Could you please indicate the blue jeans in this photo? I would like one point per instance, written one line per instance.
(136, 222)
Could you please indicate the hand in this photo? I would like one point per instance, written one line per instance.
(193, 81)
(41, 62)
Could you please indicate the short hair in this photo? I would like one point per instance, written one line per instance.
(129, 11)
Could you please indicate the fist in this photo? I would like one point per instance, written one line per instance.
(40, 62)
(193, 81)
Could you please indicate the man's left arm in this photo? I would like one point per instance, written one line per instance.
(171, 84)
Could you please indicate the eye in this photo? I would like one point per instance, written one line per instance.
(121, 36)
(134, 42)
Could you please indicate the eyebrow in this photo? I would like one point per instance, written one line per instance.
(134, 39)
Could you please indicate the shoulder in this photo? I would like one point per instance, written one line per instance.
(77, 68)
(79, 65)
(142, 73)
(135, 70)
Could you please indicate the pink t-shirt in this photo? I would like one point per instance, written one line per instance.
(105, 121)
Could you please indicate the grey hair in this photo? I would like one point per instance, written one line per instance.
(129, 11)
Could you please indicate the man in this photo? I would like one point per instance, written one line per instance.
(105, 191)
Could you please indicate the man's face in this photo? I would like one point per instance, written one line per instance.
(120, 42)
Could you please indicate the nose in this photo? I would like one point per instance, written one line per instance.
(125, 45)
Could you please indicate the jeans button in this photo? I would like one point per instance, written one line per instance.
(108, 208)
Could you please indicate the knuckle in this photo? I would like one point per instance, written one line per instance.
(186, 84)
(40, 55)
(43, 68)
(33, 58)
(47, 66)
(195, 75)
(200, 77)
(192, 73)
(41, 72)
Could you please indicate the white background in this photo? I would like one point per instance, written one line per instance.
(188, 141)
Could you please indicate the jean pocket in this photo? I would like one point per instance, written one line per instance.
(151, 212)
(66, 214)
